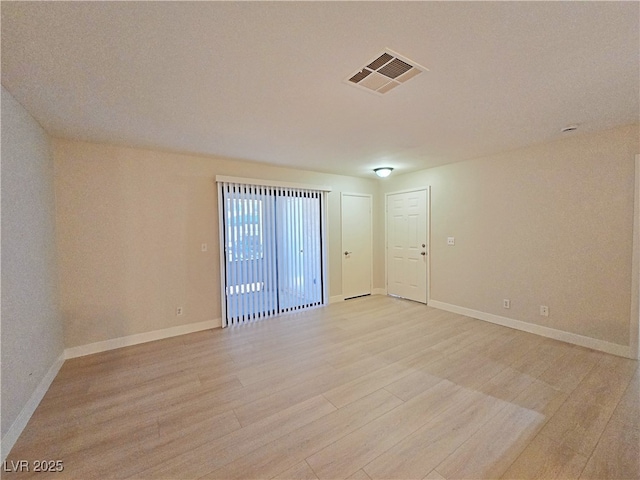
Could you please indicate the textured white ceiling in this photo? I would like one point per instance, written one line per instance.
(265, 81)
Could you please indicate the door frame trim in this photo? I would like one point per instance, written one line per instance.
(634, 319)
(426, 189)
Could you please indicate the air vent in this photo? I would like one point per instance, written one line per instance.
(360, 76)
(385, 72)
(395, 68)
(380, 61)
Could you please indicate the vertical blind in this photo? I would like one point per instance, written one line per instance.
(273, 250)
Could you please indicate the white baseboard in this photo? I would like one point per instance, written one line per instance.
(574, 338)
(138, 338)
(336, 299)
(9, 440)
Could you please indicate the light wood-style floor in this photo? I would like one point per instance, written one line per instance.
(374, 387)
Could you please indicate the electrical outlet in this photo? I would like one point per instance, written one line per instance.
(451, 240)
(179, 311)
(506, 303)
(544, 310)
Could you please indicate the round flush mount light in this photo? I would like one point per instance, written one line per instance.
(569, 128)
(383, 171)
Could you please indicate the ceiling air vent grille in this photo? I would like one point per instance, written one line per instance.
(380, 61)
(360, 76)
(386, 72)
(395, 68)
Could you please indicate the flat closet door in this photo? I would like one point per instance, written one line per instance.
(357, 250)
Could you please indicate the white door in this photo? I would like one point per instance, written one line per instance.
(357, 251)
(407, 246)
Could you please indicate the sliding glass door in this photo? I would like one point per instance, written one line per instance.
(273, 245)
(298, 248)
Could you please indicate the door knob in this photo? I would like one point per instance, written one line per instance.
(347, 253)
(423, 253)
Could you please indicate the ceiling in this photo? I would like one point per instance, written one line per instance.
(265, 81)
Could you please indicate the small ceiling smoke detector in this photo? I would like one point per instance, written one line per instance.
(385, 72)
(569, 128)
(383, 171)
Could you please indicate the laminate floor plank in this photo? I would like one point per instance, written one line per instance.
(420, 452)
(463, 340)
(353, 451)
(266, 406)
(546, 458)
(359, 475)
(541, 397)
(373, 387)
(606, 383)
(369, 383)
(285, 452)
(628, 409)
(282, 367)
(538, 360)
(567, 373)
(510, 352)
(475, 372)
(506, 384)
(434, 475)
(300, 471)
(412, 385)
(617, 454)
(490, 451)
(582, 418)
(195, 463)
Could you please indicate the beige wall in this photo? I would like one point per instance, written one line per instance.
(549, 224)
(32, 338)
(546, 225)
(130, 226)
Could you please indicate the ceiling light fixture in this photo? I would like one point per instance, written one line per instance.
(383, 171)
